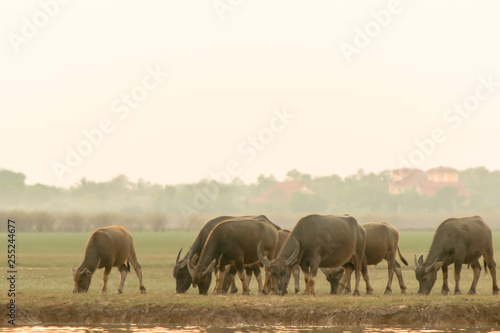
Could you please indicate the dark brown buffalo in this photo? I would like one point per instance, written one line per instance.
(295, 271)
(107, 248)
(334, 275)
(457, 241)
(181, 274)
(233, 242)
(318, 241)
(382, 243)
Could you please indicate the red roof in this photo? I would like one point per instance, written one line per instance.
(281, 192)
(443, 169)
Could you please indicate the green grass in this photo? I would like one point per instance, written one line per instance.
(45, 262)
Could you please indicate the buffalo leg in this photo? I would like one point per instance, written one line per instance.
(476, 269)
(240, 268)
(219, 280)
(123, 269)
(458, 269)
(258, 276)
(345, 281)
(312, 276)
(366, 277)
(399, 274)
(357, 272)
(305, 271)
(232, 274)
(248, 278)
(138, 271)
(296, 277)
(445, 289)
(488, 259)
(390, 272)
(105, 277)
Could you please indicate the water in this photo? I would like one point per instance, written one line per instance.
(243, 329)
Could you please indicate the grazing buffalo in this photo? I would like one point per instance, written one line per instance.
(334, 275)
(382, 243)
(233, 242)
(317, 241)
(107, 248)
(295, 271)
(181, 274)
(459, 241)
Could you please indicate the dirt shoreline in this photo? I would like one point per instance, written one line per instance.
(431, 315)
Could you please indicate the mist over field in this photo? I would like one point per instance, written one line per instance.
(147, 206)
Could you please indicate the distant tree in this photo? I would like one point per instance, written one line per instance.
(12, 189)
(307, 203)
(294, 175)
(446, 198)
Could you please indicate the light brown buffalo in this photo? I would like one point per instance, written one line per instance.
(107, 248)
(382, 243)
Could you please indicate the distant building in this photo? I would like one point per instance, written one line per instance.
(426, 182)
(281, 192)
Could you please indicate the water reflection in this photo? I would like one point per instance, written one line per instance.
(243, 329)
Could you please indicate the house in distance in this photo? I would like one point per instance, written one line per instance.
(426, 182)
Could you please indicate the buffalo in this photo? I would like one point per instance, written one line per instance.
(459, 241)
(233, 242)
(317, 241)
(382, 243)
(181, 273)
(107, 248)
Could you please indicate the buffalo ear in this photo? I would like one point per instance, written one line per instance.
(421, 260)
(438, 265)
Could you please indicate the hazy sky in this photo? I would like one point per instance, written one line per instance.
(253, 87)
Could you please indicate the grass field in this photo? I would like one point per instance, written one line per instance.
(45, 262)
(44, 287)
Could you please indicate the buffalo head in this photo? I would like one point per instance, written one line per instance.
(280, 268)
(333, 275)
(201, 274)
(181, 275)
(426, 274)
(82, 278)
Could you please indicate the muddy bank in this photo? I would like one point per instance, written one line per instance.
(445, 315)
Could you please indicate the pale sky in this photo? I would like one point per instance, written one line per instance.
(356, 84)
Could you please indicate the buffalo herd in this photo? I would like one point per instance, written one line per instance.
(337, 244)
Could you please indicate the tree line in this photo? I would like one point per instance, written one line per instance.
(361, 193)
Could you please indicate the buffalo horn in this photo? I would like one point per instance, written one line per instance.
(210, 268)
(295, 253)
(431, 267)
(262, 259)
(190, 267)
(178, 256)
(184, 262)
(416, 263)
(340, 270)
